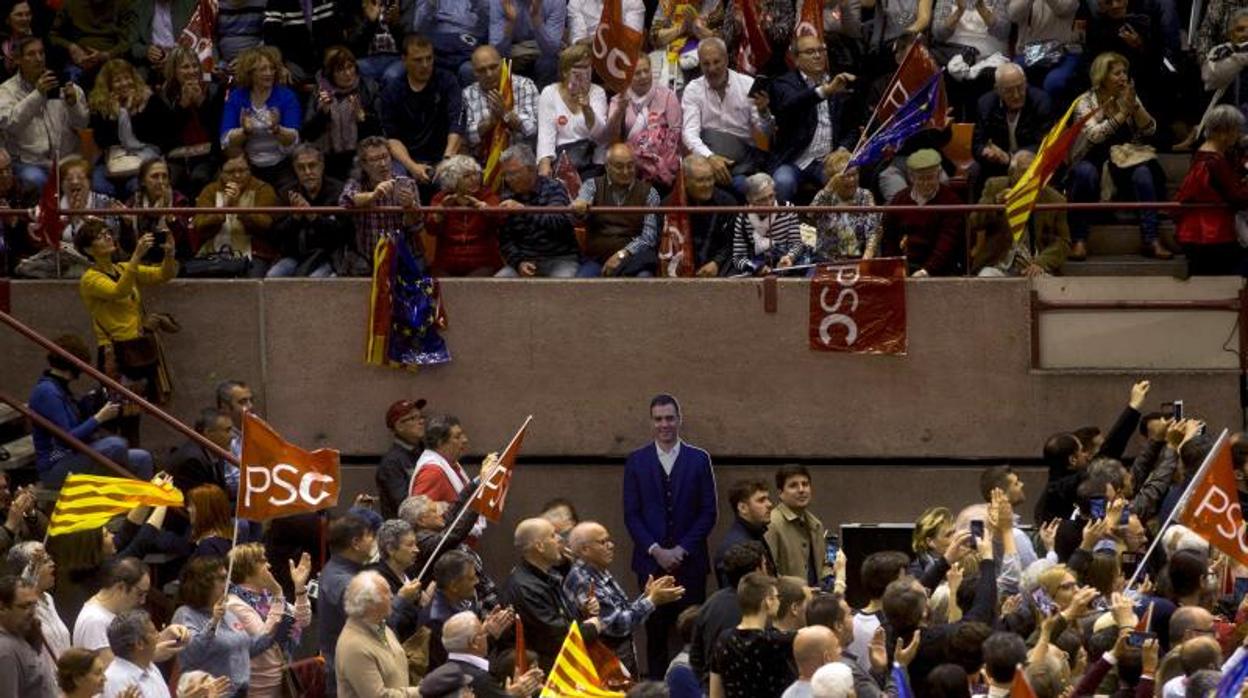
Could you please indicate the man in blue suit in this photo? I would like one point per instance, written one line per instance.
(670, 510)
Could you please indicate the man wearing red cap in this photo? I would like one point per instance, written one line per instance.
(394, 474)
(438, 475)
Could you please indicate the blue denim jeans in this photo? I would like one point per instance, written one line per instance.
(1085, 186)
(1060, 81)
(379, 69)
(788, 178)
(113, 448)
(34, 175)
(287, 266)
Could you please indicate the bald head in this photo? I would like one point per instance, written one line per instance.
(537, 542)
(621, 169)
(814, 646)
(487, 66)
(1200, 653)
(583, 534)
(1189, 622)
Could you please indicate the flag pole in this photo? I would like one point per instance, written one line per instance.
(1182, 504)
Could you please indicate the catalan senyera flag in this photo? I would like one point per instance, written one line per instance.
(89, 501)
(676, 238)
(491, 497)
(500, 135)
(281, 479)
(615, 47)
(573, 674)
(1020, 200)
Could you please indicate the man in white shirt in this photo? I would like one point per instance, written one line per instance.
(135, 646)
(720, 115)
(38, 115)
(584, 16)
(126, 584)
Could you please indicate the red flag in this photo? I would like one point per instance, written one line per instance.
(810, 19)
(859, 307)
(615, 48)
(47, 216)
(1211, 505)
(916, 69)
(281, 479)
(753, 50)
(1145, 620)
(198, 32)
(492, 495)
(567, 173)
(676, 238)
(1020, 688)
(522, 658)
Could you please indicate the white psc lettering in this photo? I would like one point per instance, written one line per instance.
(1218, 504)
(262, 480)
(835, 316)
(616, 61)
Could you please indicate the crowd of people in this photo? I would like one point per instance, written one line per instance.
(401, 104)
(397, 601)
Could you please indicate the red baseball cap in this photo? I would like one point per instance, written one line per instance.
(401, 408)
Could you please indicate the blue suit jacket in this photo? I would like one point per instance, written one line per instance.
(694, 511)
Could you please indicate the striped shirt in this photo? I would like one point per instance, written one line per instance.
(239, 26)
(764, 237)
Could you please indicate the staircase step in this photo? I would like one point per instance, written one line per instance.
(8, 414)
(1127, 265)
(1123, 238)
(1175, 165)
(21, 453)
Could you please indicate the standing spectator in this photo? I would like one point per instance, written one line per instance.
(795, 535)
(80, 673)
(1119, 122)
(257, 601)
(1223, 65)
(135, 647)
(1208, 234)
(777, 19)
(92, 33)
(245, 234)
(262, 114)
(483, 104)
(530, 33)
(212, 523)
(219, 645)
(467, 243)
(240, 27)
(1013, 117)
(610, 238)
(302, 30)
(763, 242)
(670, 510)
(933, 532)
(373, 37)
(154, 33)
(190, 136)
(1046, 242)
(122, 110)
(422, 113)
(38, 115)
(534, 244)
(36, 568)
(584, 16)
(437, 474)
(455, 577)
(430, 522)
(721, 611)
(341, 111)
(807, 104)
(751, 507)
(935, 242)
(377, 185)
(648, 117)
(572, 117)
(80, 558)
(880, 569)
(125, 586)
(155, 191)
(844, 235)
(753, 658)
(351, 545)
(396, 549)
(370, 660)
(310, 243)
(406, 421)
(456, 27)
(23, 672)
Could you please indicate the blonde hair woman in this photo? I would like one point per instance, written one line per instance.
(123, 116)
(844, 235)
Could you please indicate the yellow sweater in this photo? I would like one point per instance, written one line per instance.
(114, 303)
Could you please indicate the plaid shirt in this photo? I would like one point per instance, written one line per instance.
(619, 616)
(475, 110)
(370, 228)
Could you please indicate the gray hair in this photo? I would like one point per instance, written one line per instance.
(459, 630)
(20, 558)
(521, 153)
(363, 592)
(438, 429)
(390, 535)
(190, 680)
(413, 507)
(1224, 118)
(714, 42)
(452, 171)
(578, 537)
(307, 149)
(692, 161)
(1021, 160)
(127, 631)
(756, 182)
(1005, 70)
(1237, 15)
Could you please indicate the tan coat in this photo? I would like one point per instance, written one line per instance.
(792, 537)
(370, 663)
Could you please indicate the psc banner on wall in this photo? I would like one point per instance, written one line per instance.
(859, 307)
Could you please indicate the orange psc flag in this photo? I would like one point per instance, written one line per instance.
(492, 494)
(1211, 506)
(281, 479)
(1020, 688)
(615, 48)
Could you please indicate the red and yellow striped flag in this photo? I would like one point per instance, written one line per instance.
(574, 675)
(1020, 200)
(380, 302)
(89, 501)
(500, 135)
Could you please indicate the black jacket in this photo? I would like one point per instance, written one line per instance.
(796, 107)
(538, 599)
(712, 232)
(719, 613)
(483, 684)
(394, 477)
(192, 465)
(740, 532)
(306, 237)
(1033, 123)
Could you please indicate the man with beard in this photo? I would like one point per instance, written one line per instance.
(751, 505)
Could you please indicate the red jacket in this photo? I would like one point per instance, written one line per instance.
(1211, 180)
(466, 241)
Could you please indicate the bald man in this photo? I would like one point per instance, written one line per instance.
(620, 616)
(813, 647)
(615, 242)
(535, 591)
(484, 108)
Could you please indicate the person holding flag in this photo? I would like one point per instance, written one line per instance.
(486, 106)
(996, 253)
(584, 16)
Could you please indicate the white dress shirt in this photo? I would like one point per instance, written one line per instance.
(584, 15)
(122, 674)
(734, 112)
(667, 459)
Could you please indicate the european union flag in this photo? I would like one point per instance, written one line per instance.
(911, 118)
(1232, 680)
(405, 310)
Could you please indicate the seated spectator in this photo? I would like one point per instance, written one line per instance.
(807, 104)
(1222, 67)
(406, 421)
(341, 110)
(844, 235)
(311, 244)
(257, 601)
(26, 673)
(92, 33)
(15, 231)
(935, 243)
(611, 238)
(375, 186)
(249, 234)
(351, 545)
(124, 587)
(77, 193)
(30, 561)
(720, 112)
(584, 16)
(1119, 123)
(572, 118)
(218, 644)
(373, 37)
(200, 683)
(483, 104)
(712, 232)
(154, 33)
(240, 27)
(156, 191)
(122, 111)
(1012, 117)
(467, 243)
(530, 33)
(422, 113)
(261, 114)
(53, 400)
(763, 242)
(456, 28)
(1045, 244)
(675, 31)
(777, 20)
(135, 647)
(648, 117)
(369, 660)
(465, 639)
(1135, 34)
(302, 32)
(1046, 36)
(80, 673)
(1208, 234)
(752, 658)
(190, 136)
(38, 115)
(212, 521)
(983, 27)
(18, 23)
(534, 244)
(192, 465)
(619, 615)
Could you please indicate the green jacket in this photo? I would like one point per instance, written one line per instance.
(1052, 234)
